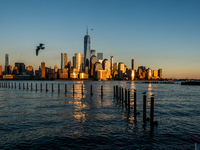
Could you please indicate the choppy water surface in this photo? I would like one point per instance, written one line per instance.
(46, 120)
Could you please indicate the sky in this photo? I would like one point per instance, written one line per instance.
(157, 34)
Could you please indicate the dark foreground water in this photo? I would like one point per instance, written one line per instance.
(46, 120)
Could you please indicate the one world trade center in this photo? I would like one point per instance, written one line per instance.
(87, 54)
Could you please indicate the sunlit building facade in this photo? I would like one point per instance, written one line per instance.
(106, 67)
(43, 69)
(0, 70)
(93, 60)
(78, 61)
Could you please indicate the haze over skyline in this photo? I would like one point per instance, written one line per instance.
(157, 34)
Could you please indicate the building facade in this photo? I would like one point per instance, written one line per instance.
(87, 54)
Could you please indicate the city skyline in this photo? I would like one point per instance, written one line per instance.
(155, 34)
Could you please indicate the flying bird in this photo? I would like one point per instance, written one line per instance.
(40, 47)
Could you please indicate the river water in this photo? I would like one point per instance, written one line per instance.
(52, 120)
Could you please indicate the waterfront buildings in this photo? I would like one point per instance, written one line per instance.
(0, 70)
(106, 67)
(111, 65)
(20, 68)
(87, 54)
(160, 73)
(93, 60)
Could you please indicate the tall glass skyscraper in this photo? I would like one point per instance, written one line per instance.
(6, 60)
(87, 53)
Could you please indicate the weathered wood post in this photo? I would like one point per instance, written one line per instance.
(6, 84)
(31, 86)
(19, 86)
(46, 87)
(91, 91)
(144, 108)
(27, 86)
(122, 96)
(128, 100)
(12, 85)
(101, 90)
(41, 87)
(58, 88)
(125, 97)
(9, 85)
(152, 111)
(36, 87)
(73, 89)
(120, 93)
(135, 111)
(23, 86)
(15, 85)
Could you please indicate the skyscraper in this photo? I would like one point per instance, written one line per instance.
(62, 61)
(0, 70)
(78, 61)
(133, 64)
(6, 60)
(92, 52)
(65, 55)
(87, 54)
(100, 57)
(111, 65)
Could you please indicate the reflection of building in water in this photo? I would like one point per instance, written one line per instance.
(131, 74)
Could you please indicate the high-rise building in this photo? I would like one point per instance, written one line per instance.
(62, 61)
(120, 70)
(0, 70)
(97, 66)
(29, 70)
(100, 57)
(20, 67)
(65, 55)
(6, 62)
(160, 73)
(92, 52)
(43, 69)
(111, 65)
(93, 60)
(133, 64)
(78, 61)
(87, 54)
(106, 67)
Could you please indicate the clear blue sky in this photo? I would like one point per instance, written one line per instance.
(157, 34)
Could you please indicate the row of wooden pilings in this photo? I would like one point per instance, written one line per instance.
(119, 93)
(11, 85)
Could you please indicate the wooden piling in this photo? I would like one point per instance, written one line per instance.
(36, 87)
(135, 111)
(9, 85)
(52, 88)
(73, 89)
(23, 86)
(120, 93)
(128, 100)
(46, 87)
(144, 108)
(31, 86)
(27, 86)
(122, 96)
(19, 86)
(117, 92)
(15, 85)
(12, 85)
(91, 91)
(152, 112)
(101, 90)
(125, 97)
